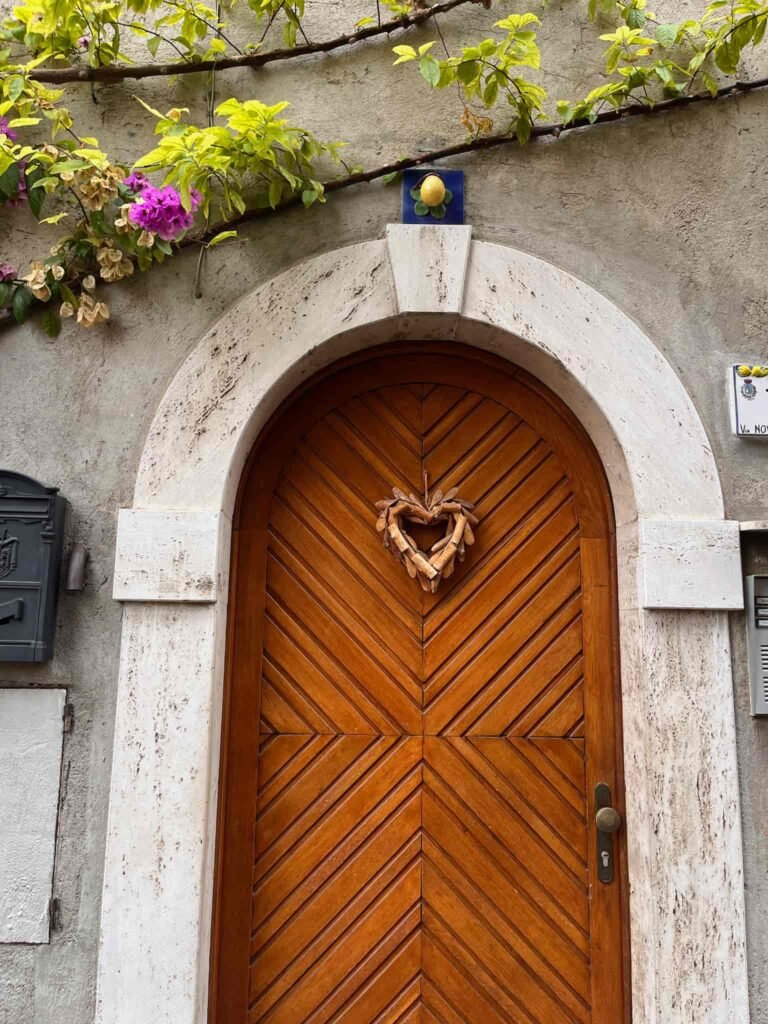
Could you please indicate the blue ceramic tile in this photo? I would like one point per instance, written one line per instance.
(454, 181)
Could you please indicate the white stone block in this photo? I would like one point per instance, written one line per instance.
(429, 265)
(690, 564)
(165, 555)
(31, 732)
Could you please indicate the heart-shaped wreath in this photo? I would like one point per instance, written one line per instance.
(440, 563)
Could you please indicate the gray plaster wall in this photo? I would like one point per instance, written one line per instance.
(665, 216)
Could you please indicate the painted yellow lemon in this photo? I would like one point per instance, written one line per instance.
(743, 371)
(757, 371)
(432, 190)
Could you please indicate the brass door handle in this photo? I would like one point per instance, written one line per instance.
(608, 820)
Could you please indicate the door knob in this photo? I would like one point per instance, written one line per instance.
(608, 820)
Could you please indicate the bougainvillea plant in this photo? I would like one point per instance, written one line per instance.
(200, 181)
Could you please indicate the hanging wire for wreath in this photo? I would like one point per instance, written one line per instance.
(446, 508)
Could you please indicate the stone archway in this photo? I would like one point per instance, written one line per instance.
(679, 572)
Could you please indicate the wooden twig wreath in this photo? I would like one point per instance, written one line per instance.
(446, 508)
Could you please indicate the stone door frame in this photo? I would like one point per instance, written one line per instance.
(679, 574)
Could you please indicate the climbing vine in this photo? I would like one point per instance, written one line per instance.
(200, 181)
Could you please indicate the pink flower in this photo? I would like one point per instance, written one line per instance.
(84, 42)
(160, 211)
(5, 130)
(136, 181)
(7, 272)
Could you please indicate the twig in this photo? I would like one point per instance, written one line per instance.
(272, 17)
(214, 28)
(131, 25)
(116, 73)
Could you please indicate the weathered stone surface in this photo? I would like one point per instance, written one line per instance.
(690, 564)
(171, 556)
(429, 265)
(31, 731)
(164, 771)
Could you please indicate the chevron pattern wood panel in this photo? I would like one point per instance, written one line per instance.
(421, 846)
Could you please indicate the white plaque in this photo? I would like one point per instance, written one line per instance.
(31, 731)
(748, 385)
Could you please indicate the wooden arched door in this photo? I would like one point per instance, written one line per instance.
(408, 779)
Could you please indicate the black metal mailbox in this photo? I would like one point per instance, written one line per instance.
(31, 538)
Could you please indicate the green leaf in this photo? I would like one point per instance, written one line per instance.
(68, 295)
(308, 196)
(35, 196)
(466, 72)
(635, 18)
(491, 92)
(420, 209)
(392, 178)
(51, 323)
(564, 110)
(6, 290)
(9, 182)
(404, 54)
(523, 130)
(438, 212)
(430, 70)
(153, 44)
(22, 300)
(727, 57)
(222, 237)
(416, 193)
(55, 218)
(710, 83)
(15, 88)
(448, 197)
(666, 35)
(275, 192)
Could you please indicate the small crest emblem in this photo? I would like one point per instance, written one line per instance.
(9, 554)
(748, 389)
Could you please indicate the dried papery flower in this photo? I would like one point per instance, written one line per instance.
(90, 313)
(66, 309)
(114, 264)
(89, 283)
(97, 188)
(36, 282)
(123, 222)
(58, 272)
(145, 240)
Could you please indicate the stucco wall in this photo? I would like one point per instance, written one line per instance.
(666, 217)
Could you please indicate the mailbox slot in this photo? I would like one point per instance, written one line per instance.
(31, 539)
